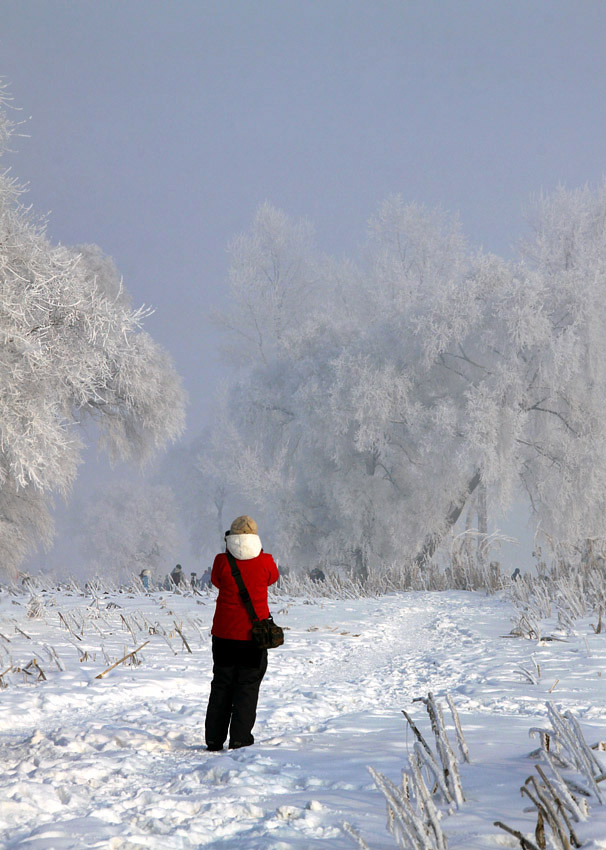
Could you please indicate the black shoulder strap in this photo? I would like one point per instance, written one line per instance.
(244, 594)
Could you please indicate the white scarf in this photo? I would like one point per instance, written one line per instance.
(244, 546)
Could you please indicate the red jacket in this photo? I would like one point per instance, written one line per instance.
(231, 618)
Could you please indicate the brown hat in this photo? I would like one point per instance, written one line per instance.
(243, 525)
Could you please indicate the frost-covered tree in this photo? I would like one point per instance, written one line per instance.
(277, 292)
(492, 372)
(386, 409)
(72, 351)
(316, 434)
(127, 527)
(557, 316)
(409, 378)
(272, 283)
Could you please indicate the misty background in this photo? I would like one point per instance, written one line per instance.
(155, 130)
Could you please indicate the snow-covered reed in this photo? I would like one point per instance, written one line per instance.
(431, 783)
(570, 586)
(460, 572)
(559, 798)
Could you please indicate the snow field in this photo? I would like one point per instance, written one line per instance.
(119, 762)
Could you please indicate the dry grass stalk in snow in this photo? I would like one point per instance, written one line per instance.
(180, 633)
(351, 831)
(32, 672)
(566, 744)
(414, 821)
(598, 629)
(67, 626)
(125, 658)
(460, 737)
(35, 608)
(525, 843)
(128, 625)
(444, 749)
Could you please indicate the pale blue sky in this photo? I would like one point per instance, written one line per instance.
(158, 127)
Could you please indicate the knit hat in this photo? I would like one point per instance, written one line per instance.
(243, 525)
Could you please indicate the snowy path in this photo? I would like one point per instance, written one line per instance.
(119, 762)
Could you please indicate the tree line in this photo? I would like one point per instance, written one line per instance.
(371, 397)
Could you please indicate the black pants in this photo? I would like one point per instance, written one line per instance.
(238, 668)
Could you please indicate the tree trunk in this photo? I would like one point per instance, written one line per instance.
(482, 523)
(471, 510)
(219, 501)
(361, 567)
(432, 541)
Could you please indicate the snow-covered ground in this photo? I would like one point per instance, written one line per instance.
(119, 761)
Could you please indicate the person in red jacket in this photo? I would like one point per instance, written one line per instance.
(238, 665)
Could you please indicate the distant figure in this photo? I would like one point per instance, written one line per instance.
(178, 576)
(193, 580)
(205, 580)
(145, 576)
(516, 575)
(317, 575)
